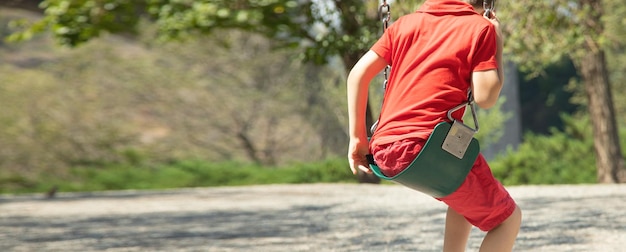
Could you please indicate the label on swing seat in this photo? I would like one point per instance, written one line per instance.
(458, 139)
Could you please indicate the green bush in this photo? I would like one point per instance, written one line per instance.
(184, 173)
(565, 157)
(326, 171)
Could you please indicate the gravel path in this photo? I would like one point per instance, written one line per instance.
(320, 217)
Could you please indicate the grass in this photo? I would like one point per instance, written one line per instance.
(188, 173)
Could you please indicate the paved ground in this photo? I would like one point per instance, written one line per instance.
(321, 217)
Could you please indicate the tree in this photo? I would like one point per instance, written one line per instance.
(325, 28)
(240, 105)
(115, 101)
(347, 28)
(543, 32)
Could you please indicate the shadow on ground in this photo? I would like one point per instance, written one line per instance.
(550, 224)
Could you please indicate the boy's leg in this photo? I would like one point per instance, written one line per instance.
(502, 238)
(457, 232)
(486, 204)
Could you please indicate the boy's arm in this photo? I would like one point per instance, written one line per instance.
(488, 84)
(358, 83)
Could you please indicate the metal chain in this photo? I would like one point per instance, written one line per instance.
(489, 7)
(384, 13)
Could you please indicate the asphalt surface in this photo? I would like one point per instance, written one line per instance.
(314, 217)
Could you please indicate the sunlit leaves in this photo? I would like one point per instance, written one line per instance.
(539, 33)
(326, 28)
(75, 21)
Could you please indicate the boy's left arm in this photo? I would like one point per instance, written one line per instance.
(358, 83)
(488, 84)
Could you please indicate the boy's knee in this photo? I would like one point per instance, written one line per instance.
(516, 216)
(514, 220)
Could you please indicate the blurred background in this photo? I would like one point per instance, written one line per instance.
(114, 94)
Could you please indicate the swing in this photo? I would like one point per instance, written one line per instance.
(444, 161)
(447, 156)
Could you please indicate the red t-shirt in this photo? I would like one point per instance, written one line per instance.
(432, 54)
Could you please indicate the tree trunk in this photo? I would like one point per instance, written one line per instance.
(609, 160)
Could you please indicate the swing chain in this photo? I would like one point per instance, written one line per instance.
(384, 13)
(470, 103)
(489, 7)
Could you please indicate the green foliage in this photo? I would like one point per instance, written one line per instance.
(584, 36)
(490, 122)
(74, 22)
(325, 28)
(179, 174)
(325, 171)
(564, 157)
(57, 118)
(119, 101)
(16, 183)
(177, 19)
(531, 27)
(541, 22)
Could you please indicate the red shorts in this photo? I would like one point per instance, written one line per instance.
(481, 199)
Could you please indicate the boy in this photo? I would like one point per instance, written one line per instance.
(437, 54)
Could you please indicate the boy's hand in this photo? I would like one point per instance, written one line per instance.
(496, 23)
(357, 151)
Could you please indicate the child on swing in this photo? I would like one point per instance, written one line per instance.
(436, 55)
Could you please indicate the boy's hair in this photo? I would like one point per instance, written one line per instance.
(475, 3)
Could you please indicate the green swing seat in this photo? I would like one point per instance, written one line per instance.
(444, 161)
(435, 171)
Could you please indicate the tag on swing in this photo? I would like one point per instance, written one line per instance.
(458, 139)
